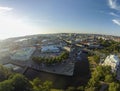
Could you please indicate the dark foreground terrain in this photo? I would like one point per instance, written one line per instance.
(80, 77)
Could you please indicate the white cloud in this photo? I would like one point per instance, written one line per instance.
(113, 4)
(4, 10)
(114, 14)
(116, 21)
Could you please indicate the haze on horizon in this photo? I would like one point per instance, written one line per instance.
(27, 17)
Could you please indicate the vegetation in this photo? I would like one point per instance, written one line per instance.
(41, 86)
(71, 89)
(102, 75)
(51, 60)
(114, 86)
(4, 73)
(94, 59)
(109, 78)
(56, 90)
(16, 82)
(110, 46)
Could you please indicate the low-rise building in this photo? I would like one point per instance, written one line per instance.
(22, 53)
(4, 52)
(11, 66)
(67, 48)
(50, 48)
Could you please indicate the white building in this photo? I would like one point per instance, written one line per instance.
(50, 48)
(67, 48)
(113, 61)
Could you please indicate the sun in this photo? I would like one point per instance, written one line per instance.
(14, 25)
(11, 27)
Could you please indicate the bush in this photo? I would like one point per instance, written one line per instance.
(16, 82)
(71, 89)
(114, 87)
(108, 78)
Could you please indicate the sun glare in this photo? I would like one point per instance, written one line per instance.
(12, 26)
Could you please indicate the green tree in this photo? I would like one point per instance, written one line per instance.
(47, 86)
(41, 86)
(71, 89)
(114, 87)
(109, 78)
(37, 84)
(103, 71)
(80, 88)
(51, 60)
(6, 86)
(20, 83)
(16, 82)
(96, 58)
(90, 89)
(4, 73)
(93, 82)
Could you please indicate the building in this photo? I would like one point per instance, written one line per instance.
(50, 48)
(113, 61)
(67, 48)
(22, 54)
(11, 66)
(4, 52)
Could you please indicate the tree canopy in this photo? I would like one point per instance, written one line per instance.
(51, 60)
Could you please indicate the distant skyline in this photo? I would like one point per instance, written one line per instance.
(28, 17)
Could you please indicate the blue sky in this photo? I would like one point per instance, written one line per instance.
(56, 16)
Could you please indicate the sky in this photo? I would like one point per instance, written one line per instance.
(27, 17)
